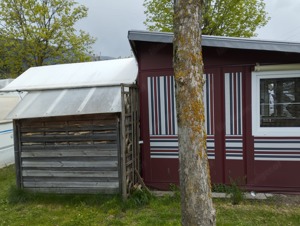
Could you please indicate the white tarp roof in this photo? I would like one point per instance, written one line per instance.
(72, 89)
(88, 74)
(62, 102)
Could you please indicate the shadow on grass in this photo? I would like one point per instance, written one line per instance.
(137, 199)
(18, 196)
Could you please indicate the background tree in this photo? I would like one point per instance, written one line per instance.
(196, 202)
(38, 32)
(235, 18)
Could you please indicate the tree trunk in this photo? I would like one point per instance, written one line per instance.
(196, 202)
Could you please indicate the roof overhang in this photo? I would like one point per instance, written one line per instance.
(216, 41)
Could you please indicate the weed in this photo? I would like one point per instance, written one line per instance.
(16, 195)
(138, 197)
(219, 188)
(234, 192)
(176, 190)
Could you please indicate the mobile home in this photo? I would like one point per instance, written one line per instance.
(252, 100)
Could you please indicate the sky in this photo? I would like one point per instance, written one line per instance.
(110, 20)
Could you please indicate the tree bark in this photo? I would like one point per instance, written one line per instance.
(196, 202)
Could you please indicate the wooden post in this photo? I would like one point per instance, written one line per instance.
(137, 126)
(123, 146)
(17, 151)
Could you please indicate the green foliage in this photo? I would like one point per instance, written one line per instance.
(176, 190)
(223, 188)
(235, 193)
(138, 197)
(159, 15)
(235, 18)
(39, 32)
(16, 195)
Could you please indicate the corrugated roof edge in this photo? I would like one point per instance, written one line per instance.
(31, 80)
(218, 41)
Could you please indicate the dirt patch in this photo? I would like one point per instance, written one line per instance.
(289, 200)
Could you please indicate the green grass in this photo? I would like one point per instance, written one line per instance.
(24, 208)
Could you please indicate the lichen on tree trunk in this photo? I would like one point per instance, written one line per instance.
(196, 202)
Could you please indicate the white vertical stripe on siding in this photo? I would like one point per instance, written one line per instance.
(205, 90)
(150, 110)
(163, 110)
(239, 101)
(227, 103)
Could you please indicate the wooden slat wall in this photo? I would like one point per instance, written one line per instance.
(73, 154)
(130, 139)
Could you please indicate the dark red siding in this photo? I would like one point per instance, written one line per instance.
(232, 144)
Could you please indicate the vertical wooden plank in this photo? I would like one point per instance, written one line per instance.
(123, 144)
(130, 137)
(138, 130)
(17, 151)
(119, 146)
(133, 119)
(136, 135)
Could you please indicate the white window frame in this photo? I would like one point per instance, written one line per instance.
(257, 130)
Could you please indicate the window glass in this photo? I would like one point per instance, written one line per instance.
(280, 102)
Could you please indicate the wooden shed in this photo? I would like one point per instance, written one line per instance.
(76, 128)
(252, 100)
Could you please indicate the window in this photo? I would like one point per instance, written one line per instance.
(276, 103)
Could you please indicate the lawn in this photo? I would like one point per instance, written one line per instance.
(23, 208)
